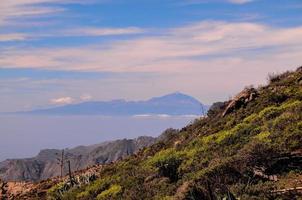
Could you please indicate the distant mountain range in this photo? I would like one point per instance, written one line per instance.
(172, 104)
(45, 164)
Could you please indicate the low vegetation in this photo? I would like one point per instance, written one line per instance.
(252, 152)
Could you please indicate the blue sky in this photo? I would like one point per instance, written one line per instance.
(55, 52)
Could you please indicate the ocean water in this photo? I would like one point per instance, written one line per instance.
(24, 136)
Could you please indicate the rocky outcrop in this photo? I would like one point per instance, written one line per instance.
(45, 164)
(243, 98)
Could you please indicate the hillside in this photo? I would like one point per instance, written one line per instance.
(246, 148)
(45, 164)
(171, 104)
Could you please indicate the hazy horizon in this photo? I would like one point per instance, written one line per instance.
(35, 133)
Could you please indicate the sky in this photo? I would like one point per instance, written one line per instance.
(57, 52)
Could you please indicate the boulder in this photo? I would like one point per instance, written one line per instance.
(242, 99)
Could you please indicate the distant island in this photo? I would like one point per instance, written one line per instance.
(175, 104)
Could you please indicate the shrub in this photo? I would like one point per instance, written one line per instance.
(278, 97)
(274, 77)
(263, 136)
(110, 193)
(95, 188)
(216, 108)
(168, 135)
(167, 163)
(56, 192)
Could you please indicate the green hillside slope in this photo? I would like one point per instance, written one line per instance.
(247, 148)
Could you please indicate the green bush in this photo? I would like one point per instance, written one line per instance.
(167, 163)
(110, 193)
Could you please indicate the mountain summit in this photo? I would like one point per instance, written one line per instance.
(175, 97)
(171, 104)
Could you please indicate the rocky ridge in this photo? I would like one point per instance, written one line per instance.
(45, 165)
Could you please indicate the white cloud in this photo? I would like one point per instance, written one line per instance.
(176, 50)
(62, 100)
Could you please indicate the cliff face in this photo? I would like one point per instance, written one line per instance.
(45, 164)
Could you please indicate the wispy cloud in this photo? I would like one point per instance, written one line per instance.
(182, 58)
(93, 31)
(12, 37)
(73, 32)
(189, 2)
(62, 100)
(11, 10)
(176, 50)
(240, 1)
(69, 100)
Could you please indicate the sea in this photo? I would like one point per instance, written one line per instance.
(23, 136)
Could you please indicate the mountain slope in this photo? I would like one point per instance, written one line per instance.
(45, 164)
(171, 104)
(247, 148)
